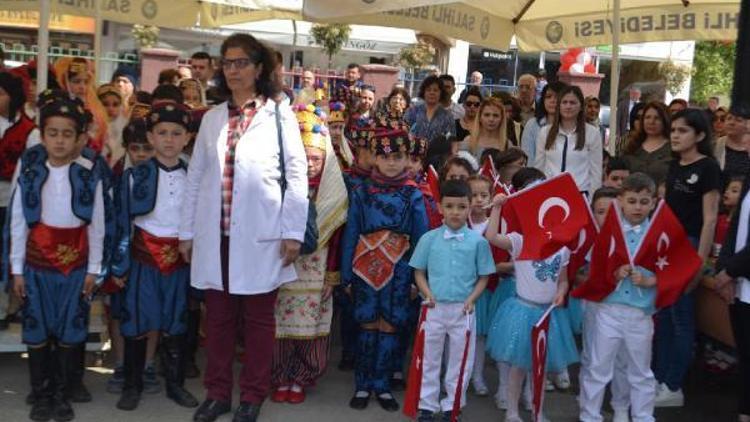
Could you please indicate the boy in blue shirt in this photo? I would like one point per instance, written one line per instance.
(623, 321)
(458, 262)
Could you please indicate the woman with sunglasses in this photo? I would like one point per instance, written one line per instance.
(471, 105)
(243, 222)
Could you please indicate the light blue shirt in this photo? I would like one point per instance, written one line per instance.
(528, 139)
(453, 264)
(627, 293)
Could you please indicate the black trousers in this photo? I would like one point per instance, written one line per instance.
(740, 315)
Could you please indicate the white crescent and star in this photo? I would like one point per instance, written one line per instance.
(662, 241)
(548, 204)
(581, 240)
(541, 345)
(611, 246)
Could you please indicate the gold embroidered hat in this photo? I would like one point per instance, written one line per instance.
(312, 126)
(53, 102)
(169, 112)
(386, 142)
(337, 112)
(108, 89)
(360, 132)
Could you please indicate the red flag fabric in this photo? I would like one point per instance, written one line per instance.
(539, 362)
(608, 254)
(580, 247)
(488, 169)
(456, 411)
(433, 179)
(667, 252)
(561, 213)
(414, 378)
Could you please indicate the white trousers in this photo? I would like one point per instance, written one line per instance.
(446, 321)
(614, 329)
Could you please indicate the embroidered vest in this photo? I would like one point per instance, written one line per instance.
(12, 146)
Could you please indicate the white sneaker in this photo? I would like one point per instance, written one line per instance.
(562, 380)
(621, 415)
(668, 398)
(480, 388)
(548, 385)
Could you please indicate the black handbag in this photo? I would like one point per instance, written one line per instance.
(310, 244)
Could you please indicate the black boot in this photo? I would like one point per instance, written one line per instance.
(47, 367)
(135, 360)
(173, 361)
(76, 391)
(41, 409)
(65, 367)
(192, 338)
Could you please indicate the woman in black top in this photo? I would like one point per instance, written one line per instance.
(692, 192)
(465, 125)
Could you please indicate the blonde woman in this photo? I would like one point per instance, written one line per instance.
(193, 93)
(490, 129)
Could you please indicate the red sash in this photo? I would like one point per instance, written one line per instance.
(54, 248)
(159, 252)
(376, 256)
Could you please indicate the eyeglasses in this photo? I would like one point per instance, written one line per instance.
(471, 103)
(236, 63)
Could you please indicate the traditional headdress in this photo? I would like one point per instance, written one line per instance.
(108, 89)
(311, 126)
(337, 112)
(360, 132)
(386, 142)
(57, 103)
(169, 112)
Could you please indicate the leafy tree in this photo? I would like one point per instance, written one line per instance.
(416, 56)
(673, 75)
(332, 37)
(713, 70)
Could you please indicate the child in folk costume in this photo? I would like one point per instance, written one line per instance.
(457, 262)
(386, 218)
(358, 134)
(539, 284)
(337, 117)
(621, 326)
(147, 262)
(56, 232)
(304, 307)
(419, 170)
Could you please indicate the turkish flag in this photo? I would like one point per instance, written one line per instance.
(561, 213)
(667, 252)
(539, 342)
(608, 254)
(414, 378)
(580, 247)
(434, 181)
(488, 169)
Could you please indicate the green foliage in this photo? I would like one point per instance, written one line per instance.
(713, 70)
(416, 56)
(674, 75)
(146, 35)
(332, 37)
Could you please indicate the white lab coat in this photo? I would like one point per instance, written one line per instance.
(259, 220)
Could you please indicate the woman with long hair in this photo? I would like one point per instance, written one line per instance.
(111, 99)
(243, 222)
(544, 115)
(76, 76)
(490, 128)
(471, 104)
(648, 150)
(570, 144)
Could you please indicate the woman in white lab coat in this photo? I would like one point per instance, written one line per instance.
(240, 232)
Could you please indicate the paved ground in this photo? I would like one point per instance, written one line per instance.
(709, 400)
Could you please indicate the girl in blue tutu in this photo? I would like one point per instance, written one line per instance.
(538, 285)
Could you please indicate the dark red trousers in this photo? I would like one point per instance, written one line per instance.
(226, 315)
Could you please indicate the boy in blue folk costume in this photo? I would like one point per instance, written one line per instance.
(146, 261)
(56, 231)
(386, 219)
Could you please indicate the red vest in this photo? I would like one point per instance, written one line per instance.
(12, 145)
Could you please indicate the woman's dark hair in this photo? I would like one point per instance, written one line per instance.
(556, 87)
(13, 86)
(474, 91)
(492, 152)
(635, 142)
(438, 152)
(525, 177)
(697, 119)
(456, 161)
(267, 83)
(633, 116)
(455, 189)
(400, 91)
(166, 76)
(143, 97)
(428, 82)
(509, 156)
(580, 119)
(167, 92)
(678, 101)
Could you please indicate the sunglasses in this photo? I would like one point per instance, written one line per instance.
(472, 103)
(235, 63)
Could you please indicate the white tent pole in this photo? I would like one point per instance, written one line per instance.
(97, 39)
(614, 79)
(42, 60)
